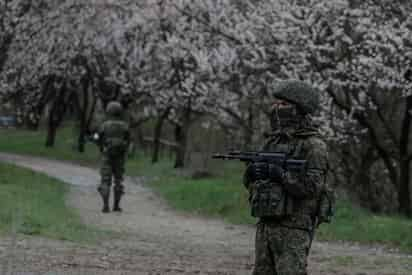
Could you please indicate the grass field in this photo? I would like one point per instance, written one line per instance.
(34, 204)
(32, 143)
(224, 196)
(221, 195)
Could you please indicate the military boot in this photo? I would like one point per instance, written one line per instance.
(105, 193)
(118, 193)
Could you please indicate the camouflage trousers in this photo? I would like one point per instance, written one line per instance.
(112, 169)
(280, 250)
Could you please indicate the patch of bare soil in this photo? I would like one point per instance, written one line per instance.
(154, 239)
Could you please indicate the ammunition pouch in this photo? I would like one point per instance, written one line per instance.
(326, 206)
(269, 199)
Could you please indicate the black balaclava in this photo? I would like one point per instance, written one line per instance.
(286, 117)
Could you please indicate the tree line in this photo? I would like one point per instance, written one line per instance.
(177, 62)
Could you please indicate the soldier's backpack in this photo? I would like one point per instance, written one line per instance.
(115, 142)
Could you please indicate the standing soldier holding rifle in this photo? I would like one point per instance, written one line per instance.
(286, 182)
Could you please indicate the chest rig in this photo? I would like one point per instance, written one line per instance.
(269, 199)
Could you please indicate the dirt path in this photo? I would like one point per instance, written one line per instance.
(157, 240)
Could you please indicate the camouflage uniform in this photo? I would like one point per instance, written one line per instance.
(114, 135)
(283, 240)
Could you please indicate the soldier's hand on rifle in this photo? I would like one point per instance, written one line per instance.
(255, 171)
(263, 171)
(276, 173)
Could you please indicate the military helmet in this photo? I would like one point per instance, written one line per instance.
(114, 108)
(304, 96)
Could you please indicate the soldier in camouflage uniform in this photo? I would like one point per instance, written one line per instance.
(289, 205)
(114, 139)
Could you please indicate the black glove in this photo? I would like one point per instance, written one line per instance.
(257, 171)
(276, 173)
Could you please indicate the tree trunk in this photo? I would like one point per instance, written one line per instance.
(404, 195)
(158, 134)
(362, 180)
(181, 135)
(51, 133)
(404, 189)
(139, 137)
(81, 140)
(90, 114)
(56, 115)
(181, 146)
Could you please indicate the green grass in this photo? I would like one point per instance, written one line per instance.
(224, 196)
(352, 223)
(221, 195)
(34, 204)
(32, 143)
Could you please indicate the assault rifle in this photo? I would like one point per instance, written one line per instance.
(279, 159)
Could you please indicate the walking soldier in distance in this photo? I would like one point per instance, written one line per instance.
(114, 139)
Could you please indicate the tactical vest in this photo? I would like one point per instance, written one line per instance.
(268, 199)
(274, 203)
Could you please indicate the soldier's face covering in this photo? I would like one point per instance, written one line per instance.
(285, 115)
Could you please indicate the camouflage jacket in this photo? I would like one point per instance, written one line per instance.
(302, 191)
